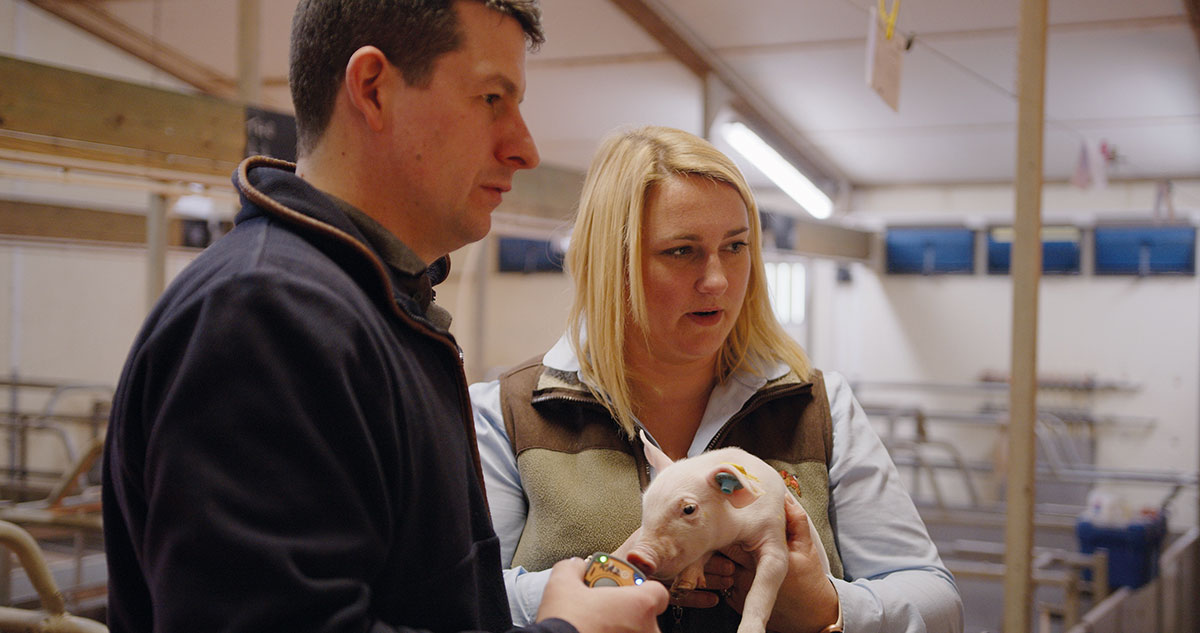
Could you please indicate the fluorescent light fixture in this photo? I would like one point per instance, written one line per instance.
(195, 206)
(778, 169)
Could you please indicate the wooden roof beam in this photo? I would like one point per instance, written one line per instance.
(86, 119)
(92, 18)
(1193, 11)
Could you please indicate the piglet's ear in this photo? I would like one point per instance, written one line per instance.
(736, 486)
(654, 455)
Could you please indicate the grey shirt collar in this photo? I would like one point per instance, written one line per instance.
(395, 254)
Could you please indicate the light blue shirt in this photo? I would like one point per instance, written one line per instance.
(895, 580)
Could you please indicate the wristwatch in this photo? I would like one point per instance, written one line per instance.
(836, 627)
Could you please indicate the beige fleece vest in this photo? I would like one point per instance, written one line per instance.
(583, 477)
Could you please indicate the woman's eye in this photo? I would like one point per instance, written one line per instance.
(680, 252)
(737, 247)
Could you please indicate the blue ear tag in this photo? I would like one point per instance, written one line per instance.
(728, 483)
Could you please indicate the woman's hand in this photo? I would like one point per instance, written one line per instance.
(807, 600)
(718, 577)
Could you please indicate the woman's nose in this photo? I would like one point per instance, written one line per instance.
(713, 281)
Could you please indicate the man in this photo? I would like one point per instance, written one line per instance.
(291, 445)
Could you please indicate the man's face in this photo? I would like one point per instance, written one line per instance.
(458, 142)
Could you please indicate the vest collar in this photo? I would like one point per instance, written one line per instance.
(560, 379)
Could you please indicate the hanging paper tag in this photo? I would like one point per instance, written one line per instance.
(883, 61)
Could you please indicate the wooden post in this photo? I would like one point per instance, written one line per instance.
(1026, 273)
(470, 318)
(156, 248)
(249, 73)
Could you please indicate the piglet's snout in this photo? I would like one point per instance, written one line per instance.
(642, 562)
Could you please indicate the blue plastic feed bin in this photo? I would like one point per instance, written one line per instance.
(1132, 550)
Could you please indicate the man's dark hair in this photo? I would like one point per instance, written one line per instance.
(411, 33)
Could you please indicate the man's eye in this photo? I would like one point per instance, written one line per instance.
(492, 99)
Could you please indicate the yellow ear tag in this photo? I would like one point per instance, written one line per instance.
(741, 469)
(751, 480)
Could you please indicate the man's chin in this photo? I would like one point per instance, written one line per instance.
(471, 234)
(480, 229)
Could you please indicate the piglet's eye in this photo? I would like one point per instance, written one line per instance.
(689, 508)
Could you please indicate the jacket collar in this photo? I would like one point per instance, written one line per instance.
(384, 265)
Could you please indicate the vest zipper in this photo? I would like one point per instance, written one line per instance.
(567, 397)
(753, 403)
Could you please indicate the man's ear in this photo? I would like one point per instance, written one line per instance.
(366, 73)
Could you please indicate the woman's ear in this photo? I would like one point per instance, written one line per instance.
(366, 74)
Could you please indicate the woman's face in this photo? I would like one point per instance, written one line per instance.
(695, 267)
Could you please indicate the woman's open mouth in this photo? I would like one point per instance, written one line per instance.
(705, 317)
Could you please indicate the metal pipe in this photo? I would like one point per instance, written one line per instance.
(22, 426)
(1000, 416)
(119, 169)
(1074, 475)
(53, 618)
(27, 550)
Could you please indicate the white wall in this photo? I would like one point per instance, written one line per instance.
(1144, 332)
(70, 313)
(522, 314)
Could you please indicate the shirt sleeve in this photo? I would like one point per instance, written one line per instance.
(506, 499)
(895, 580)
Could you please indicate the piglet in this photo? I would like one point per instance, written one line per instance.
(701, 504)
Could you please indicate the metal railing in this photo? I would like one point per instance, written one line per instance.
(53, 616)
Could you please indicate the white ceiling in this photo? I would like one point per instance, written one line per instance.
(1125, 72)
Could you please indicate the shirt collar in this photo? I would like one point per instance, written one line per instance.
(726, 399)
(397, 256)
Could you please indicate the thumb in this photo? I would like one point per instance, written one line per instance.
(569, 566)
(659, 596)
(797, 519)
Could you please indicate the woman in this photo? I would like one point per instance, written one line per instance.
(672, 332)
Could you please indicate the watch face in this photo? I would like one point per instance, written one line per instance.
(606, 570)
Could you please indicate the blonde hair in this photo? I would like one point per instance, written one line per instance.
(604, 261)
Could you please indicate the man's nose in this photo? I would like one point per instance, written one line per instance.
(519, 149)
